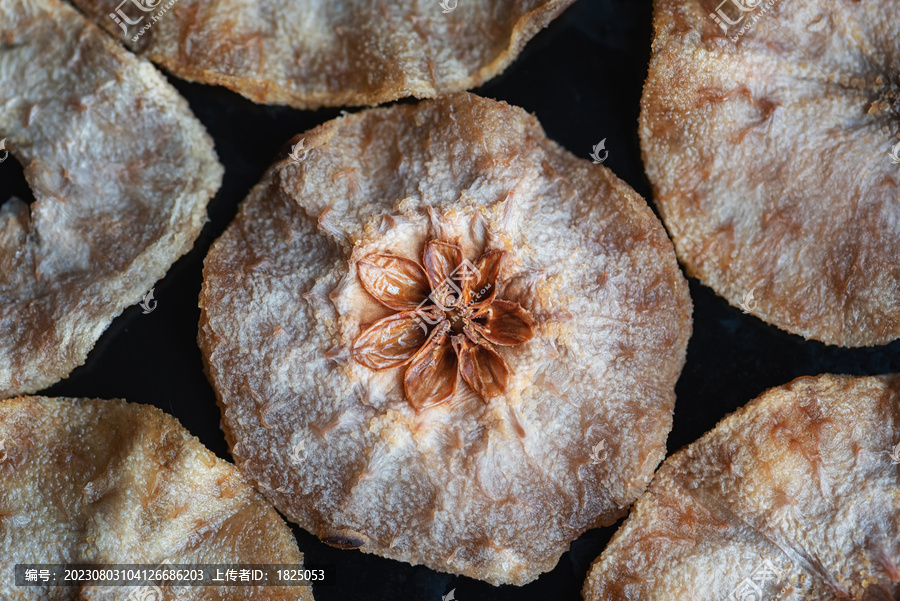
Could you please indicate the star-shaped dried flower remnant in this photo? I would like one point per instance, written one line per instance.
(458, 300)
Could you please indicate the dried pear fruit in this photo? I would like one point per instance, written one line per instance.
(121, 173)
(542, 280)
(86, 481)
(311, 54)
(793, 497)
(768, 145)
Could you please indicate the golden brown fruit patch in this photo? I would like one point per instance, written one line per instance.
(87, 481)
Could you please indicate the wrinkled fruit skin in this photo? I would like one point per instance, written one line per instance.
(493, 488)
(112, 212)
(801, 477)
(310, 54)
(87, 481)
(769, 159)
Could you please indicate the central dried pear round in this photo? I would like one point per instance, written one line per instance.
(441, 338)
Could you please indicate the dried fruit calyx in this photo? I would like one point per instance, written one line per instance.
(449, 319)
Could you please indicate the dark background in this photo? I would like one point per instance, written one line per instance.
(582, 77)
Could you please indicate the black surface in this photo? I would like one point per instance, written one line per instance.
(582, 77)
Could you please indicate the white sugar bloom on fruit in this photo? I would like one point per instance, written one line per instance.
(449, 311)
(794, 494)
(88, 481)
(121, 173)
(767, 145)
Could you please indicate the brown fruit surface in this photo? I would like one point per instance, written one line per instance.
(491, 486)
(121, 173)
(308, 54)
(769, 159)
(86, 481)
(792, 497)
